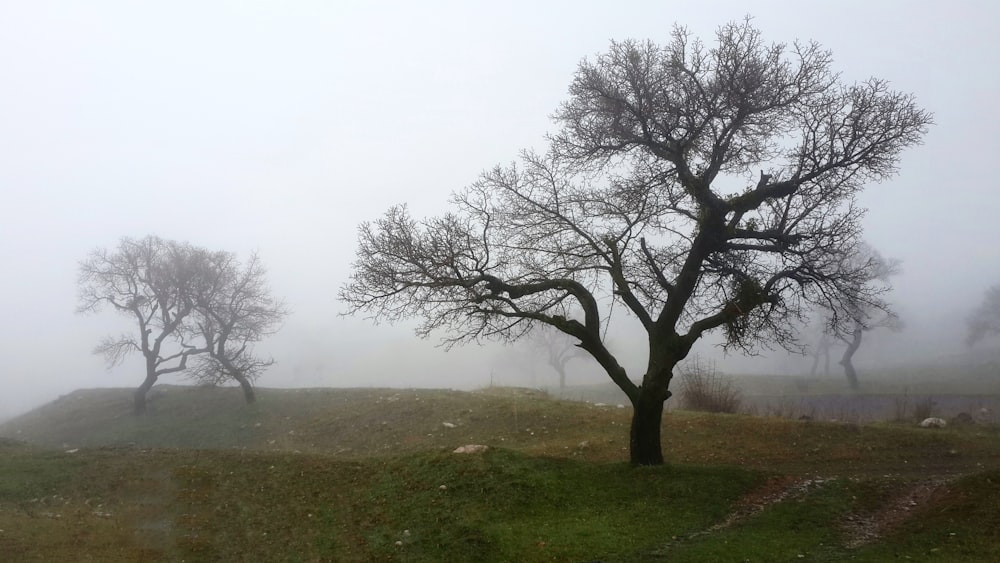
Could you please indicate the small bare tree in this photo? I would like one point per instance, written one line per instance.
(866, 315)
(647, 199)
(558, 349)
(821, 350)
(234, 311)
(152, 281)
(985, 320)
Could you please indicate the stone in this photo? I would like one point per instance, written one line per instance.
(933, 422)
(471, 449)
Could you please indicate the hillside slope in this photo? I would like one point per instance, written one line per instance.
(361, 423)
(368, 474)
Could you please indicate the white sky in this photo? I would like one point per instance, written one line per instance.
(279, 126)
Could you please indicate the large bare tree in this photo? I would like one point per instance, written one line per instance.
(186, 302)
(697, 188)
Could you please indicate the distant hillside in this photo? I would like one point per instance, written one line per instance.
(345, 422)
(362, 423)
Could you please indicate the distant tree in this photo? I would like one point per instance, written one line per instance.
(985, 320)
(631, 205)
(558, 349)
(186, 302)
(821, 350)
(235, 310)
(867, 315)
(151, 281)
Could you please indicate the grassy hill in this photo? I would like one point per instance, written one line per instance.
(369, 474)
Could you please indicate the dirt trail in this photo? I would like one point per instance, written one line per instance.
(774, 490)
(862, 529)
(859, 529)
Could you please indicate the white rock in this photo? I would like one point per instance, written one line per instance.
(933, 422)
(447, 425)
(471, 449)
(73, 451)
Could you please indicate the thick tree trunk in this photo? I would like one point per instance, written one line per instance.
(852, 347)
(644, 437)
(645, 447)
(139, 399)
(248, 393)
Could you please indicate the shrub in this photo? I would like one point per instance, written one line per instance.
(703, 388)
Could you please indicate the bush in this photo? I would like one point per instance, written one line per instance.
(704, 389)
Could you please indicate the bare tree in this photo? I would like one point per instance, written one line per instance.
(985, 320)
(822, 349)
(558, 349)
(867, 316)
(646, 199)
(152, 281)
(235, 310)
(187, 302)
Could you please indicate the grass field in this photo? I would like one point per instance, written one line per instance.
(369, 475)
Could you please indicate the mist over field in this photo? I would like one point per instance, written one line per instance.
(278, 128)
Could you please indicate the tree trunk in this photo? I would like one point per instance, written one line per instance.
(139, 399)
(822, 349)
(852, 347)
(644, 437)
(248, 393)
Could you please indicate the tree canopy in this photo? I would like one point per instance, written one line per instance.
(696, 188)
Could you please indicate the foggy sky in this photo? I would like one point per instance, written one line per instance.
(279, 126)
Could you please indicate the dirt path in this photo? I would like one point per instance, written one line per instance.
(863, 528)
(773, 491)
(858, 529)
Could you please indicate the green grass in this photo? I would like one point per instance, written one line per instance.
(505, 506)
(368, 475)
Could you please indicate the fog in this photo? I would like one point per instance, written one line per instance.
(277, 127)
